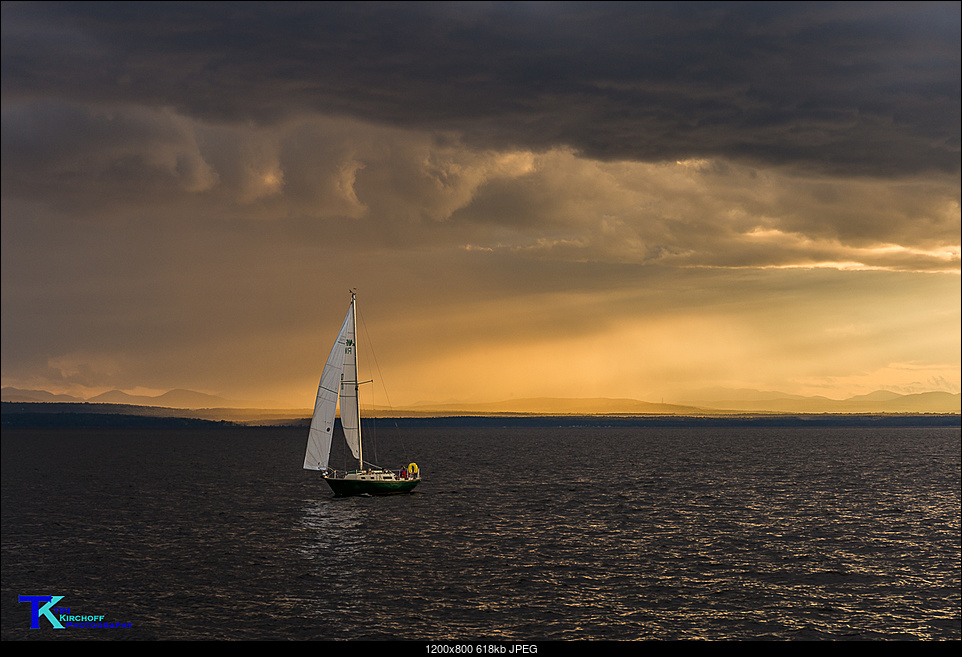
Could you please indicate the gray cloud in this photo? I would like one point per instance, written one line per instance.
(861, 88)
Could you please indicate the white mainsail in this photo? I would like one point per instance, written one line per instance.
(350, 411)
(322, 423)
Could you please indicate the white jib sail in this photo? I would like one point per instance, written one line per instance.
(322, 423)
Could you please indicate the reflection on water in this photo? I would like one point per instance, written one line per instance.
(331, 542)
(521, 534)
(333, 526)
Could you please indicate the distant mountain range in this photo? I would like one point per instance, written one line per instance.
(716, 401)
(171, 399)
(556, 406)
(880, 401)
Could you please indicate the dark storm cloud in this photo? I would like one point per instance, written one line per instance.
(863, 88)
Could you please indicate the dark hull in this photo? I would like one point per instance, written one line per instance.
(347, 487)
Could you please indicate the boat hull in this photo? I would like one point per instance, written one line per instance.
(348, 487)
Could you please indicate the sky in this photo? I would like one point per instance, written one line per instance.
(628, 200)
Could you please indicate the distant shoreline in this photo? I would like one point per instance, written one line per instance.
(68, 415)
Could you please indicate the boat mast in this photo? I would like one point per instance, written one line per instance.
(357, 384)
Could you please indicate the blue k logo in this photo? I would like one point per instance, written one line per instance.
(36, 610)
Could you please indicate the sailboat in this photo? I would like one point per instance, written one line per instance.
(339, 381)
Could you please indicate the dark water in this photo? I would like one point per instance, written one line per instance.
(515, 534)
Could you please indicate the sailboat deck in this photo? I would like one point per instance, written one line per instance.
(371, 475)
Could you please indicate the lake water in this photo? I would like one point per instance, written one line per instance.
(515, 534)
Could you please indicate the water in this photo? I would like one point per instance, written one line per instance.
(520, 534)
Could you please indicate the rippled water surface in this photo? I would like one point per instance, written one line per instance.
(514, 534)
